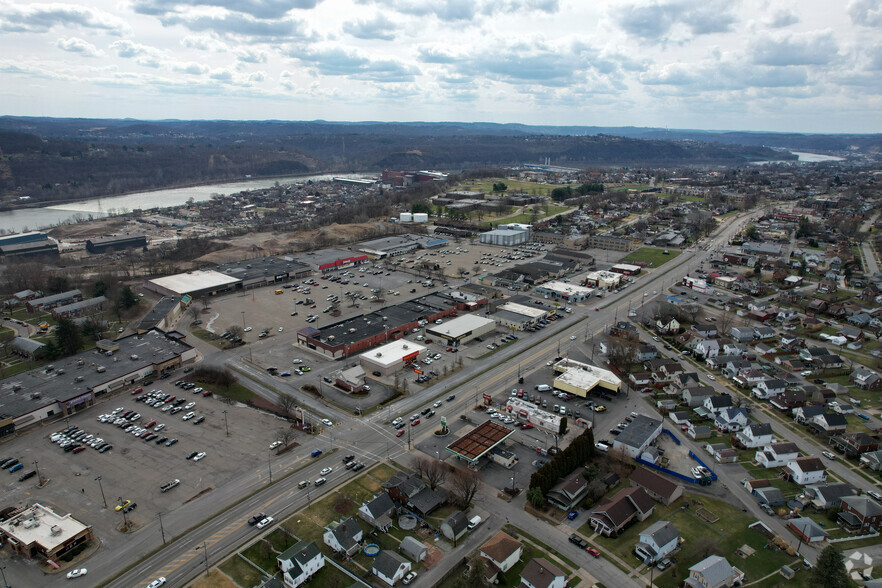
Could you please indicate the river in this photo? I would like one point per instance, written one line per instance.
(31, 219)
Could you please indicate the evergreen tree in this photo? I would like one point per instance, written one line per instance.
(829, 570)
(68, 337)
(127, 298)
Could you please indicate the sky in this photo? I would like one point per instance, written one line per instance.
(761, 65)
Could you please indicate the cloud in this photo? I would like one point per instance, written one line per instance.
(143, 54)
(781, 19)
(336, 61)
(204, 43)
(432, 55)
(379, 27)
(263, 9)
(76, 45)
(257, 76)
(655, 21)
(723, 76)
(40, 18)
(464, 10)
(865, 12)
(250, 55)
(238, 25)
(812, 48)
(189, 67)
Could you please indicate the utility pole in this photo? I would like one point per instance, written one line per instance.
(3, 573)
(125, 518)
(204, 547)
(39, 476)
(226, 426)
(269, 464)
(409, 428)
(102, 491)
(161, 530)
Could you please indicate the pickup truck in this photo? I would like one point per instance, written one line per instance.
(169, 485)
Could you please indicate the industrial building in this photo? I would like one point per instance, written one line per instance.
(352, 335)
(505, 237)
(528, 412)
(399, 245)
(115, 243)
(328, 260)
(638, 435)
(49, 302)
(626, 269)
(480, 442)
(38, 532)
(610, 243)
(581, 378)
(416, 217)
(518, 317)
(390, 358)
(462, 329)
(30, 249)
(556, 290)
(30, 237)
(162, 315)
(195, 283)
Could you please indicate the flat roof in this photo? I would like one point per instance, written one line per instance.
(53, 529)
(530, 311)
(628, 267)
(564, 288)
(639, 431)
(585, 376)
(165, 305)
(389, 243)
(363, 326)
(194, 281)
(324, 256)
(261, 267)
(472, 446)
(392, 353)
(116, 239)
(460, 326)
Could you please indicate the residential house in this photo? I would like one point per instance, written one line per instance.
(344, 537)
(679, 418)
(390, 567)
(827, 362)
(810, 323)
(770, 388)
(411, 491)
(804, 414)
(706, 348)
(731, 420)
(736, 349)
(413, 548)
(704, 330)
(765, 350)
(872, 460)
(865, 378)
(769, 495)
(646, 352)
(756, 435)
(828, 424)
(541, 573)
(612, 515)
(379, 511)
(640, 378)
(809, 353)
(790, 400)
(764, 332)
(843, 408)
(567, 493)
(807, 530)
(715, 404)
(671, 369)
(299, 563)
(637, 436)
(854, 444)
(861, 514)
(681, 381)
(667, 328)
(713, 572)
(503, 551)
(823, 396)
(851, 333)
(735, 366)
(455, 525)
(657, 541)
(658, 487)
(721, 452)
(805, 470)
(824, 496)
(697, 395)
(698, 432)
(749, 377)
(776, 454)
(861, 319)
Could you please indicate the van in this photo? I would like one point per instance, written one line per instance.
(474, 522)
(543, 388)
(303, 484)
(602, 447)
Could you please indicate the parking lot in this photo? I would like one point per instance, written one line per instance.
(134, 469)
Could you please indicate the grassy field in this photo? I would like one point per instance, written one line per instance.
(486, 185)
(280, 540)
(214, 579)
(527, 217)
(236, 391)
(263, 555)
(653, 256)
(689, 198)
(701, 538)
(242, 572)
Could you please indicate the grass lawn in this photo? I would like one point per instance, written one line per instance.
(236, 392)
(330, 575)
(522, 535)
(702, 539)
(652, 255)
(513, 575)
(692, 198)
(280, 540)
(242, 572)
(382, 472)
(527, 216)
(263, 555)
(214, 579)
(486, 185)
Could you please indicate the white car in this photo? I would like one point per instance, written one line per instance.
(275, 444)
(398, 420)
(711, 377)
(326, 471)
(189, 416)
(189, 405)
(265, 522)
(436, 405)
(157, 583)
(247, 329)
(296, 361)
(572, 337)
(409, 578)
(328, 422)
(281, 329)
(159, 427)
(199, 456)
(77, 573)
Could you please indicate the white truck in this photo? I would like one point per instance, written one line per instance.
(169, 485)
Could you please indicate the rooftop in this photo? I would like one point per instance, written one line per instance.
(51, 531)
(261, 267)
(460, 326)
(640, 429)
(361, 327)
(523, 309)
(564, 288)
(194, 281)
(393, 352)
(480, 440)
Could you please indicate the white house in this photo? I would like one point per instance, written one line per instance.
(657, 541)
(390, 567)
(713, 572)
(777, 454)
(541, 573)
(300, 562)
(730, 420)
(717, 403)
(806, 470)
(503, 551)
(707, 348)
(769, 388)
(756, 435)
(344, 536)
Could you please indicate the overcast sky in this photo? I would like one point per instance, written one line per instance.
(778, 65)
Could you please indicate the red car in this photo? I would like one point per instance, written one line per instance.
(428, 340)
(414, 422)
(526, 426)
(593, 552)
(596, 308)
(399, 433)
(137, 390)
(206, 392)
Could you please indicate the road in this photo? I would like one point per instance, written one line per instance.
(872, 266)
(371, 439)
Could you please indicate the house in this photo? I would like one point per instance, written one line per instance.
(637, 436)
(742, 334)
(390, 567)
(789, 400)
(657, 541)
(667, 328)
(765, 350)
(721, 452)
(751, 485)
(567, 493)
(776, 454)
(713, 572)
(705, 330)
(683, 381)
(823, 396)
(379, 512)
(828, 424)
(679, 418)
(807, 530)
(860, 319)
(455, 526)
(736, 349)
(639, 379)
(749, 377)
(541, 573)
(804, 471)
(824, 496)
(756, 435)
(827, 362)
(843, 408)
(804, 414)
(736, 366)
(770, 388)
(698, 431)
(707, 348)
(865, 378)
(854, 444)
(769, 495)
(299, 563)
(861, 514)
(413, 548)
(730, 420)
(411, 491)
(612, 515)
(715, 404)
(658, 487)
(646, 352)
(872, 460)
(503, 551)
(851, 333)
(670, 369)
(344, 537)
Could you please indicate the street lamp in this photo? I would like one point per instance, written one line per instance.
(204, 548)
(98, 479)
(243, 320)
(39, 476)
(3, 573)
(226, 426)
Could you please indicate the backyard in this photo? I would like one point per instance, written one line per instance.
(652, 256)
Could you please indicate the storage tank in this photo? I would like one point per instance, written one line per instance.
(406, 217)
(421, 217)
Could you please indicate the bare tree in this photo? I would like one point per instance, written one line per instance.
(435, 473)
(622, 352)
(725, 322)
(194, 312)
(235, 331)
(286, 404)
(464, 486)
(353, 298)
(285, 435)
(419, 464)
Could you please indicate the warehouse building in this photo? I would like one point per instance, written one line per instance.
(390, 358)
(264, 271)
(505, 237)
(581, 378)
(518, 317)
(49, 302)
(610, 243)
(328, 260)
(399, 245)
(30, 237)
(195, 284)
(29, 348)
(115, 243)
(626, 269)
(30, 249)
(556, 290)
(163, 315)
(38, 532)
(462, 329)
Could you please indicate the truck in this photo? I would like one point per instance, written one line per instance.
(169, 485)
